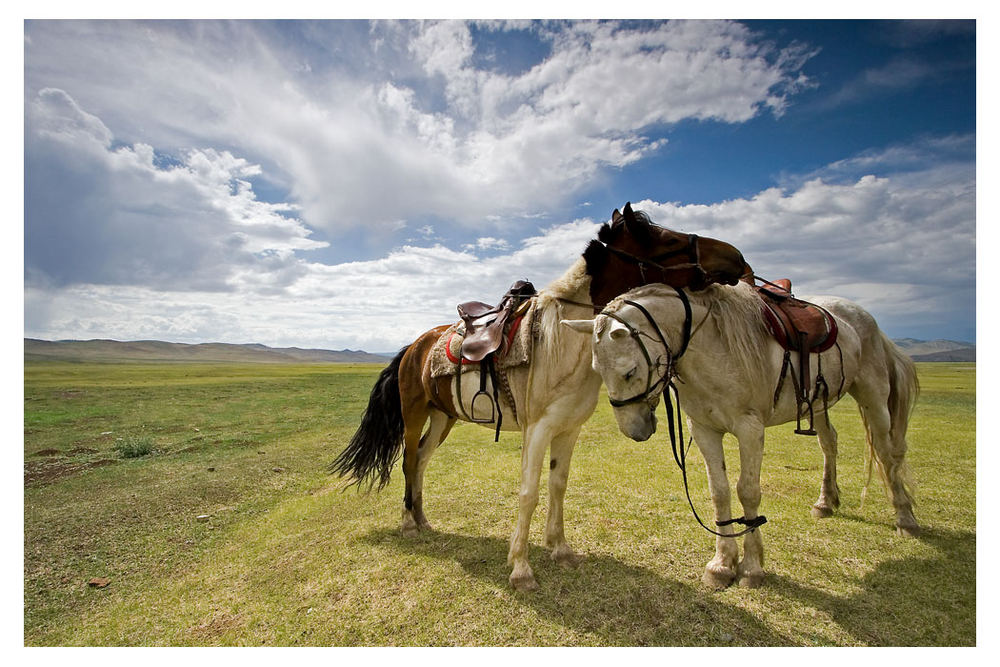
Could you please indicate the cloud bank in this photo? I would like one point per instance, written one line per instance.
(410, 115)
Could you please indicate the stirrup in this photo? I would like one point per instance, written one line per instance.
(482, 393)
(798, 420)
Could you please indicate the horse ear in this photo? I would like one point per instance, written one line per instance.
(636, 227)
(582, 326)
(616, 218)
(618, 331)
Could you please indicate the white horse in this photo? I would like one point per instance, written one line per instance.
(554, 394)
(726, 381)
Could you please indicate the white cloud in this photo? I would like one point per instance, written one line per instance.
(100, 213)
(903, 245)
(376, 305)
(401, 116)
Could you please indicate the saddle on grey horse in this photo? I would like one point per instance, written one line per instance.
(485, 337)
(801, 327)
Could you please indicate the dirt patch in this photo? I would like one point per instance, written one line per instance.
(46, 472)
(82, 450)
(217, 625)
(71, 393)
(48, 452)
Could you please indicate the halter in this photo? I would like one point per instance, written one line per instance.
(676, 428)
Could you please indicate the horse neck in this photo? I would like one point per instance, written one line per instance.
(725, 323)
(573, 287)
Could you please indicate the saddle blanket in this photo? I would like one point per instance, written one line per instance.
(515, 352)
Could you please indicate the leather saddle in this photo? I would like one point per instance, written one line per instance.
(485, 339)
(485, 324)
(800, 327)
(797, 325)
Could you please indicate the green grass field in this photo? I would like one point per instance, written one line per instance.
(286, 558)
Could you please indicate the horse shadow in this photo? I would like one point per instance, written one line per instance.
(613, 602)
(905, 602)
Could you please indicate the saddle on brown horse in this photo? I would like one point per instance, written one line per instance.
(801, 327)
(486, 329)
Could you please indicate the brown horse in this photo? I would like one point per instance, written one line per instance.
(554, 394)
(632, 252)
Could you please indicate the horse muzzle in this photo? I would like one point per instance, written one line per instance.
(637, 422)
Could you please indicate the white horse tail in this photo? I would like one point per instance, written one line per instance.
(904, 388)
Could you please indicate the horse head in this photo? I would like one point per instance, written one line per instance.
(631, 251)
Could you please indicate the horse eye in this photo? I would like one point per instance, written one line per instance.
(628, 376)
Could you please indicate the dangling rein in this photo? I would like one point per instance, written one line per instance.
(675, 427)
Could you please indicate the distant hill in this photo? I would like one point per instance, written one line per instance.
(159, 351)
(968, 354)
(936, 350)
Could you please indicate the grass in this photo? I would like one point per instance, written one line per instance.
(287, 558)
(134, 446)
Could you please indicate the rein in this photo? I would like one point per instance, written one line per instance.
(675, 428)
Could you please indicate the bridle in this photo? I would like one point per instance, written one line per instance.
(665, 384)
(669, 371)
(690, 249)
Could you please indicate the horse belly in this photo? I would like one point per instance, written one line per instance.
(484, 404)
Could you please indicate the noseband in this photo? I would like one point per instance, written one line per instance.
(667, 381)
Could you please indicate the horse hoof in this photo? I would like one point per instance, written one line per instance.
(908, 530)
(718, 578)
(524, 583)
(424, 525)
(752, 579)
(821, 511)
(568, 558)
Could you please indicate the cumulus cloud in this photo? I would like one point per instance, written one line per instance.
(115, 214)
(902, 244)
(403, 114)
(374, 305)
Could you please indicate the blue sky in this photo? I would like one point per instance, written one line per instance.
(333, 184)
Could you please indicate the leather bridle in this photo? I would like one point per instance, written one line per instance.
(669, 371)
(666, 379)
(656, 262)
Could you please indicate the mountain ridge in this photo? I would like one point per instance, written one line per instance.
(107, 350)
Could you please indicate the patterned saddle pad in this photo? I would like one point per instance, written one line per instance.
(515, 351)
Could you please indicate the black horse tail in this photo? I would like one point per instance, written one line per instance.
(373, 450)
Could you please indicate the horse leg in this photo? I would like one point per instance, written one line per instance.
(536, 439)
(721, 570)
(889, 459)
(440, 426)
(560, 453)
(829, 493)
(751, 439)
(413, 421)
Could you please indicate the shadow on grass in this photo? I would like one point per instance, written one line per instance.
(906, 602)
(621, 604)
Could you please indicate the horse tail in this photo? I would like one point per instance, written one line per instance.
(378, 442)
(904, 388)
